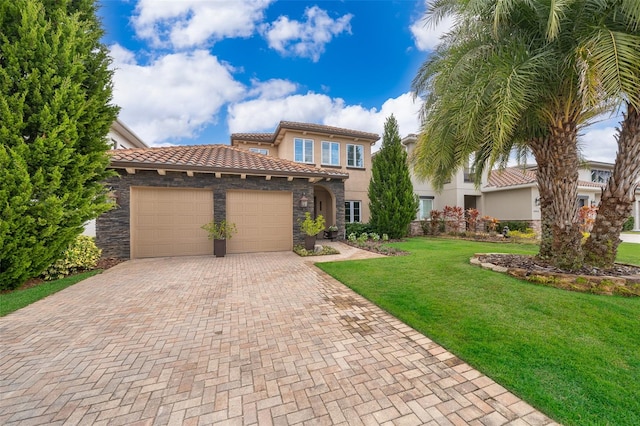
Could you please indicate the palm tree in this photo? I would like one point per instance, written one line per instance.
(616, 202)
(515, 74)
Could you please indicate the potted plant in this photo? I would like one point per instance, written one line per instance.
(332, 232)
(220, 232)
(311, 228)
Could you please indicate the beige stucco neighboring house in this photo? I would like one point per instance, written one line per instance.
(120, 137)
(327, 147)
(510, 194)
(460, 191)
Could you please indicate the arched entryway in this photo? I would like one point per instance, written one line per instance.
(324, 203)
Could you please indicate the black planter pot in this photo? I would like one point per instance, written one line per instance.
(309, 242)
(219, 248)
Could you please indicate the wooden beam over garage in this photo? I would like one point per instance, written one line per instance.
(131, 170)
(162, 172)
(190, 173)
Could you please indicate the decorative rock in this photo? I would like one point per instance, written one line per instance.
(317, 248)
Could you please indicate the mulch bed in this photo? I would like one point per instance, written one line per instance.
(379, 247)
(621, 280)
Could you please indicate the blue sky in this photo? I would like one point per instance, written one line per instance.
(195, 71)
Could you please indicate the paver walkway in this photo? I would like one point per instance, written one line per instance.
(248, 339)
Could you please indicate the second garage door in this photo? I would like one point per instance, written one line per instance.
(264, 220)
(166, 222)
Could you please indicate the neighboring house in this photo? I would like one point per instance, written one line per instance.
(264, 184)
(510, 194)
(332, 148)
(121, 137)
(460, 191)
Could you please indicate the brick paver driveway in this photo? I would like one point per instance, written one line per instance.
(247, 339)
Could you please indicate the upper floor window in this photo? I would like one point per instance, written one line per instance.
(259, 151)
(355, 155)
(331, 153)
(600, 176)
(303, 150)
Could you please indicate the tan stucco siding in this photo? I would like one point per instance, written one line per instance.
(357, 186)
(515, 204)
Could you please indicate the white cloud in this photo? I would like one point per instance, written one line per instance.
(600, 144)
(189, 23)
(426, 35)
(305, 39)
(173, 96)
(264, 114)
(272, 89)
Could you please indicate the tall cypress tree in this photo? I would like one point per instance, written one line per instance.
(55, 113)
(392, 203)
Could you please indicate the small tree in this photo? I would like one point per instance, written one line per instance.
(55, 113)
(392, 203)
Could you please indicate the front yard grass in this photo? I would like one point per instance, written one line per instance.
(10, 302)
(574, 356)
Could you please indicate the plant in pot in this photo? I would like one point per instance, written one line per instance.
(220, 232)
(311, 228)
(332, 232)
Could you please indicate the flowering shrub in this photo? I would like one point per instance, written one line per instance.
(374, 236)
(352, 237)
(472, 220)
(81, 255)
(587, 217)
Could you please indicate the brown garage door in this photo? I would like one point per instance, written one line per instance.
(264, 220)
(166, 222)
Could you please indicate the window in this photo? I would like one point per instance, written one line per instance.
(583, 200)
(352, 211)
(303, 150)
(331, 153)
(425, 207)
(355, 155)
(600, 176)
(259, 151)
(114, 144)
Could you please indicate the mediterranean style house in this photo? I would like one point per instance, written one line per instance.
(348, 151)
(262, 182)
(510, 194)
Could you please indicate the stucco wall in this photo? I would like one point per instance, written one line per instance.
(113, 227)
(357, 186)
(516, 204)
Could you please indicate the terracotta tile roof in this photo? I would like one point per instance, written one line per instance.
(511, 176)
(215, 158)
(305, 127)
(321, 128)
(514, 176)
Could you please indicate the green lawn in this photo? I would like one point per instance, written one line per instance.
(574, 356)
(18, 299)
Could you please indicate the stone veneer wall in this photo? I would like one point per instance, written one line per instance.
(113, 227)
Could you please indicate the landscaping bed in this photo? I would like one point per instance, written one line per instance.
(622, 279)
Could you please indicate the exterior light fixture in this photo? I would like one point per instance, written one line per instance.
(304, 201)
(537, 201)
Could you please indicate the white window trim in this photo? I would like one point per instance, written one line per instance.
(356, 148)
(337, 163)
(351, 215)
(303, 150)
(420, 215)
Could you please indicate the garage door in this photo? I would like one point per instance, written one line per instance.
(264, 220)
(166, 222)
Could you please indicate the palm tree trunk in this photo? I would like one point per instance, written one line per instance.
(544, 184)
(557, 176)
(617, 199)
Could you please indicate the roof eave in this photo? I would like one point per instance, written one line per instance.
(228, 171)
